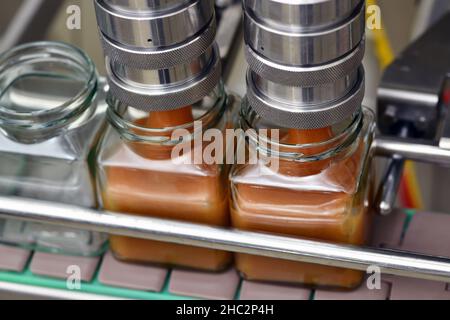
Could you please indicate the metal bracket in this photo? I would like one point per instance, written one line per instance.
(413, 105)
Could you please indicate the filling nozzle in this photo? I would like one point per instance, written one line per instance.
(160, 55)
(305, 60)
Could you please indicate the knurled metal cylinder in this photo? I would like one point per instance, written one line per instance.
(301, 14)
(149, 94)
(302, 112)
(160, 55)
(305, 60)
(150, 25)
(289, 44)
(292, 75)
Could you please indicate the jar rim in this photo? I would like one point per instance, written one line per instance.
(293, 152)
(27, 55)
(128, 129)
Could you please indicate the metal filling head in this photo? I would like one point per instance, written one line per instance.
(166, 89)
(304, 15)
(285, 37)
(305, 60)
(305, 76)
(141, 26)
(161, 55)
(305, 95)
(306, 108)
(146, 5)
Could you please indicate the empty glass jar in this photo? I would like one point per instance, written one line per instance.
(152, 164)
(51, 115)
(312, 184)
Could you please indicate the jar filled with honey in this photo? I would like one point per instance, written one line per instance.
(146, 168)
(307, 183)
(308, 171)
(164, 72)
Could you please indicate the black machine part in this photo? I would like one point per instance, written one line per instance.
(413, 102)
(415, 89)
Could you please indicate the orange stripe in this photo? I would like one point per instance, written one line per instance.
(413, 185)
(404, 194)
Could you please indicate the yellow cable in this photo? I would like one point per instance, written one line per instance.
(413, 184)
(385, 55)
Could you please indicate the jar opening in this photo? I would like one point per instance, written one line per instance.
(339, 137)
(128, 121)
(44, 87)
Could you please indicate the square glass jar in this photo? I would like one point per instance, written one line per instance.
(139, 174)
(51, 117)
(319, 190)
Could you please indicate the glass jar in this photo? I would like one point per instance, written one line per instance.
(313, 184)
(141, 172)
(51, 116)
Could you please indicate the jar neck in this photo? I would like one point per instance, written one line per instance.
(45, 87)
(299, 152)
(154, 135)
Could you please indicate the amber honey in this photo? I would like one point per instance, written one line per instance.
(142, 179)
(323, 199)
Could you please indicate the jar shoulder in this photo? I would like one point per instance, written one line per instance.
(340, 174)
(73, 144)
(115, 152)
